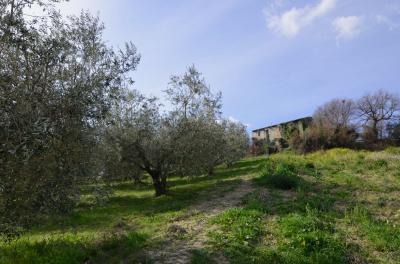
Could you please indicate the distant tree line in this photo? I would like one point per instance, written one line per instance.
(69, 116)
(370, 122)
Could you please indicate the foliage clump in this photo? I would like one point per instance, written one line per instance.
(283, 176)
(284, 173)
(58, 80)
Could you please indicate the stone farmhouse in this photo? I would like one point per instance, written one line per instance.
(278, 135)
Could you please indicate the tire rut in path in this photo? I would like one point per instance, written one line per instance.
(175, 250)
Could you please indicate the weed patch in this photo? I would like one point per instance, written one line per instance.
(239, 231)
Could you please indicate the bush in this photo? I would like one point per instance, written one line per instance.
(282, 175)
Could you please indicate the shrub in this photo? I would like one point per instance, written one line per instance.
(282, 175)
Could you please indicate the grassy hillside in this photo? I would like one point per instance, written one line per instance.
(338, 206)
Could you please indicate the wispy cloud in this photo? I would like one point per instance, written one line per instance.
(392, 25)
(291, 22)
(347, 27)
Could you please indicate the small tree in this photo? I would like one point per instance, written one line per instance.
(237, 141)
(196, 113)
(145, 138)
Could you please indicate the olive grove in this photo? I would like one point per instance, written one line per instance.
(69, 116)
(191, 139)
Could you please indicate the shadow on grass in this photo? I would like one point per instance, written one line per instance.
(140, 202)
(70, 250)
(88, 235)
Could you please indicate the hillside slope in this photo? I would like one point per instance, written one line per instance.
(337, 206)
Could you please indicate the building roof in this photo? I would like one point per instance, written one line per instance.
(284, 123)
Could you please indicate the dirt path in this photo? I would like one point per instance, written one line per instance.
(189, 232)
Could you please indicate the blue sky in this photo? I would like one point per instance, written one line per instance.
(273, 60)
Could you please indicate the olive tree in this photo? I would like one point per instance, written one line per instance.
(189, 140)
(58, 79)
(196, 111)
(175, 142)
(145, 136)
(200, 146)
(237, 141)
(192, 97)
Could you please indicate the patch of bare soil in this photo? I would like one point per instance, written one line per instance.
(188, 233)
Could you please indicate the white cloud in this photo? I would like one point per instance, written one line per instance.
(292, 21)
(347, 27)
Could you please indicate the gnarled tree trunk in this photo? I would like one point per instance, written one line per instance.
(159, 183)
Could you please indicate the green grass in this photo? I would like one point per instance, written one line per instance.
(343, 207)
(339, 206)
(383, 235)
(132, 219)
(239, 229)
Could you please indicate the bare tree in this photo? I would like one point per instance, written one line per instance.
(377, 108)
(336, 113)
(331, 127)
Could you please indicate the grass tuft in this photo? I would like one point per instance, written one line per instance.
(282, 175)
